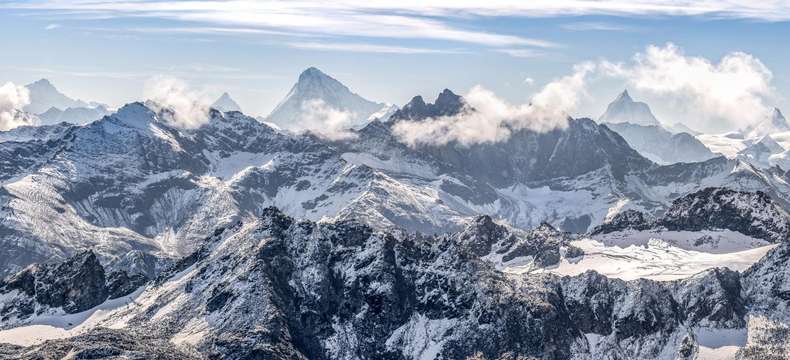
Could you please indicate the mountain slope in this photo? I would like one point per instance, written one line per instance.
(314, 85)
(131, 182)
(662, 146)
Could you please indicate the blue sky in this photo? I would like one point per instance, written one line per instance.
(389, 51)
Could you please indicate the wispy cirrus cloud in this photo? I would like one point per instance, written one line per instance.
(369, 48)
(360, 23)
(522, 53)
(595, 26)
(301, 13)
(344, 18)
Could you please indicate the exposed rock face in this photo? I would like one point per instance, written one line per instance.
(119, 283)
(767, 283)
(75, 285)
(446, 104)
(753, 214)
(712, 299)
(625, 220)
(100, 344)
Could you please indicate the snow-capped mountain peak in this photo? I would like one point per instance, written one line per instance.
(225, 103)
(624, 96)
(776, 122)
(313, 84)
(136, 115)
(44, 95)
(53, 107)
(625, 109)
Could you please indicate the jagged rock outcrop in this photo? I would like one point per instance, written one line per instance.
(750, 213)
(72, 286)
(712, 299)
(75, 285)
(99, 344)
(446, 104)
(625, 220)
(753, 214)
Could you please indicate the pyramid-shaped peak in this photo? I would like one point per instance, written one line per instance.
(447, 96)
(312, 73)
(624, 96)
(225, 103)
(778, 114)
(313, 84)
(416, 101)
(42, 83)
(448, 102)
(625, 110)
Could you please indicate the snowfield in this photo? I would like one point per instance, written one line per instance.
(59, 325)
(657, 260)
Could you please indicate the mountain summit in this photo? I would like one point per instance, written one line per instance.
(624, 109)
(446, 104)
(778, 121)
(313, 85)
(775, 123)
(225, 103)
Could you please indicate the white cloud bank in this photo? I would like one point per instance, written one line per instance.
(323, 121)
(732, 93)
(489, 119)
(190, 108)
(12, 99)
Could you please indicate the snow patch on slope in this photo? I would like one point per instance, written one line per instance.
(656, 260)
